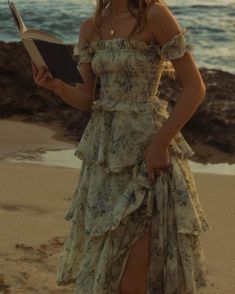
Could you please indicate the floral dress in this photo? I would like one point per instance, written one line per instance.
(114, 203)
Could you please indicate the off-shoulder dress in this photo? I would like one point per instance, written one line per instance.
(114, 203)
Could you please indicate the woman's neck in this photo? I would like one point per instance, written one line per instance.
(118, 6)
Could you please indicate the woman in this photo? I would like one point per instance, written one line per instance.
(135, 213)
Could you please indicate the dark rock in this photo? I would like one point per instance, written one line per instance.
(21, 96)
(213, 123)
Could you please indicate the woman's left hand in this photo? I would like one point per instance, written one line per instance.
(157, 158)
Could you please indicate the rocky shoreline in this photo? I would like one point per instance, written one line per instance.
(213, 124)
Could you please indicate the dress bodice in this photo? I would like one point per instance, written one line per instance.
(130, 70)
(128, 109)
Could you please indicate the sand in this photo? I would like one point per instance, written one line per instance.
(17, 136)
(35, 198)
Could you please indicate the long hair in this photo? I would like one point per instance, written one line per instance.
(142, 6)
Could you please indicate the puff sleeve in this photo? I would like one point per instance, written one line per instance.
(83, 52)
(173, 49)
(176, 47)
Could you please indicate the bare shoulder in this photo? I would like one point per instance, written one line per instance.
(162, 22)
(156, 9)
(85, 30)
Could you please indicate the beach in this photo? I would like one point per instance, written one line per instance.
(39, 132)
(34, 199)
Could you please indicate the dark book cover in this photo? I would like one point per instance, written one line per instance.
(59, 61)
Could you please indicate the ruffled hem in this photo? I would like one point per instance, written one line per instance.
(110, 143)
(125, 106)
(170, 184)
(179, 148)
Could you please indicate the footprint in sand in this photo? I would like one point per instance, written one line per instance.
(32, 269)
(28, 208)
(41, 254)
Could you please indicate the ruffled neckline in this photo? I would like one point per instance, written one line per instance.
(132, 43)
(119, 42)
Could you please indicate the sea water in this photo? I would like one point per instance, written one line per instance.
(66, 158)
(210, 24)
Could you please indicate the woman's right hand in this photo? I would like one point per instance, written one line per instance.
(41, 78)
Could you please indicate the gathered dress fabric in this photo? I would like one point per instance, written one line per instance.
(114, 203)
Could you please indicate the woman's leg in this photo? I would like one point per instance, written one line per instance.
(134, 278)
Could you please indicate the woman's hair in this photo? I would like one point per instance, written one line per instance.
(141, 5)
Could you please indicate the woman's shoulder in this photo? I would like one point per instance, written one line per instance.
(156, 9)
(86, 29)
(162, 23)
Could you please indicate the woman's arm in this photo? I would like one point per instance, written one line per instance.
(79, 97)
(75, 96)
(164, 26)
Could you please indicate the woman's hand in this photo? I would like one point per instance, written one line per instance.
(157, 157)
(41, 78)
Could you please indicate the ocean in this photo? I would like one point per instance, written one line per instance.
(210, 24)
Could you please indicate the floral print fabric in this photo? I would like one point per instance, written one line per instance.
(114, 203)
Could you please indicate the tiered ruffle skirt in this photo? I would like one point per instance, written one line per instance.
(114, 204)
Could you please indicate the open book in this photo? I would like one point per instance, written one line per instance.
(47, 50)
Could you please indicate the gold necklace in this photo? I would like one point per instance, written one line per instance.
(112, 32)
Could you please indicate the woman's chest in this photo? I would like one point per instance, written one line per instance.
(125, 61)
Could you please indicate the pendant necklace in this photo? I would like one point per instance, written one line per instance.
(112, 32)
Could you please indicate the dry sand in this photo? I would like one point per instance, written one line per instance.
(35, 198)
(17, 136)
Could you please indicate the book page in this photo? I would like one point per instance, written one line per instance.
(17, 18)
(36, 34)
